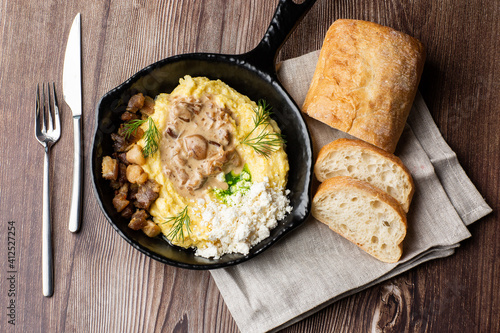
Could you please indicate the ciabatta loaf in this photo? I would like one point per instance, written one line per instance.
(363, 214)
(364, 161)
(365, 81)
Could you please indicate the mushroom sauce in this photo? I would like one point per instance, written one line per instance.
(198, 143)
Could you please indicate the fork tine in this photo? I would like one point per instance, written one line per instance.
(56, 111)
(44, 110)
(37, 108)
(50, 123)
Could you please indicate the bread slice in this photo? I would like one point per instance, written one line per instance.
(364, 161)
(363, 214)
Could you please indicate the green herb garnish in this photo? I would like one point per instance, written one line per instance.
(151, 136)
(152, 139)
(265, 142)
(236, 184)
(132, 126)
(180, 221)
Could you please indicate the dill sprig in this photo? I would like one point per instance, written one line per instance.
(179, 221)
(131, 127)
(264, 142)
(151, 138)
(151, 135)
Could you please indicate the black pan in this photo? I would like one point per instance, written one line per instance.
(252, 74)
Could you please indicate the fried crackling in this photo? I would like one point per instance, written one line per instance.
(135, 156)
(109, 168)
(151, 229)
(120, 200)
(147, 194)
(138, 220)
(135, 103)
(136, 174)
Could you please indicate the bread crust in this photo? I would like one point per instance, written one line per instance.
(342, 183)
(365, 81)
(344, 143)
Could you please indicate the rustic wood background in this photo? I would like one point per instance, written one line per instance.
(103, 285)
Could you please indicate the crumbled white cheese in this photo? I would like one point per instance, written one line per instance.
(248, 220)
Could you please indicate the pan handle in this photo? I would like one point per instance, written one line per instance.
(287, 16)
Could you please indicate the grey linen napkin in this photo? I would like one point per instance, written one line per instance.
(313, 266)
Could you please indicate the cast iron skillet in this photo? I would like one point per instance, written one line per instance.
(252, 74)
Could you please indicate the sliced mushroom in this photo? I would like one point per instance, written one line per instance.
(235, 158)
(214, 143)
(196, 182)
(182, 176)
(179, 160)
(182, 112)
(171, 132)
(223, 135)
(197, 146)
(193, 106)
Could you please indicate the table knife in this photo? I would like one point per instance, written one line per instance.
(72, 90)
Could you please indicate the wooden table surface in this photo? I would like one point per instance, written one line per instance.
(103, 285)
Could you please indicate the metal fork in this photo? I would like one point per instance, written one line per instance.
(47, 133)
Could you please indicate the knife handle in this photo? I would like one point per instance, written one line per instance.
(76, 198)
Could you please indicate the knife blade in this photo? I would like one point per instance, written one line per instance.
(72, 91)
